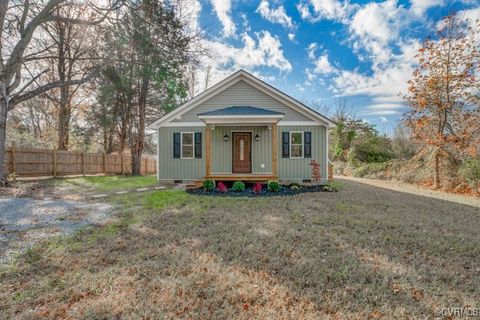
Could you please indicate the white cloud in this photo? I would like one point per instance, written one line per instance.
(278, 15)
(375, 26)
(312, 47)
(315, 10)
(386, 81)
(222, 9)
(322, 63)
(261, 50)
(291, 36)
(383, 119)
(418, 7)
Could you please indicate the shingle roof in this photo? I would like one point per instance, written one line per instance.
(240, 111)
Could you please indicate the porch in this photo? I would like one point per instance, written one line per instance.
(237, 150)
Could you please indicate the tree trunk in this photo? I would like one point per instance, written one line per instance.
(139, 140)
(3, 130)
(64, 115)
(437, 169)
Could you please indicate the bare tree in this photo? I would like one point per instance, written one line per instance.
(20, 22)
(72, 54)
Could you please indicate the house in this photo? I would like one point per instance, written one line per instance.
(241, 129)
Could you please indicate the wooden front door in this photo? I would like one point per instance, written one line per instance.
(242, 152)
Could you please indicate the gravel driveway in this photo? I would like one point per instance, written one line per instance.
(25, 221)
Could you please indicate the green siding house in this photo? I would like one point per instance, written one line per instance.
(241, 129)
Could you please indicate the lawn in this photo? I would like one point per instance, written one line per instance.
(364, 252)
(107, 183)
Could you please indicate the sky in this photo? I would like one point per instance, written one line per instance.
(324, 51)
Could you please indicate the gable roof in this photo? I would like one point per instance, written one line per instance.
(240, 111)
(252, 80)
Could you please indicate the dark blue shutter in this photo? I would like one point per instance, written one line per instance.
(176, 145)
(198, 145)
(285, 145)
(307, 144)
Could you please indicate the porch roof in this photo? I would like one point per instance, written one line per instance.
(240, 110)
(240, 113)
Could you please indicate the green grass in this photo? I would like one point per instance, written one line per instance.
(360, 253)
(108, 183)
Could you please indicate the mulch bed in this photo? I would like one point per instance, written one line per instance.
(248, 192)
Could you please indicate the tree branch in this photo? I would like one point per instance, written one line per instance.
(56, 84)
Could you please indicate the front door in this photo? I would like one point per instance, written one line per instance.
(242, 150)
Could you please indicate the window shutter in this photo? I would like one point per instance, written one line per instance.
(285, 144)
(198, 145)
(307, 138)
(176, 145)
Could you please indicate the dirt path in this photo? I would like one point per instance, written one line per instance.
(417, 190)
(26, 221)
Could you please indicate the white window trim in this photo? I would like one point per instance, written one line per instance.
(181, 145)
(290, 144)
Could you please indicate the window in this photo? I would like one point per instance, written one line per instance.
(296, 144)
(187, 145)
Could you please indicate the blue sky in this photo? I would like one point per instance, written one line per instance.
(323, 51)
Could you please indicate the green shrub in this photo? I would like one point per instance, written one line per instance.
(328, 188)
(470, 171)
(367, 169)
(209, 185)
(273, 186)
(238, 186)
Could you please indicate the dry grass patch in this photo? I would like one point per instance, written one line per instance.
(379, 254)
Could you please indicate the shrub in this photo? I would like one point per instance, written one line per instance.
(470, 171)
(257, 188)
(367, 169)
(221, 187)
(209, 185)
(295, 184)
(294, 187)
(273, 186)
(238, 186)
(328, 188)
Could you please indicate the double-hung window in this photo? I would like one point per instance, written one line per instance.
(188, 145)
(296, 144)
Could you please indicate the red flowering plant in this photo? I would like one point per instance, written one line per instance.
(257, 188)
(222, 187)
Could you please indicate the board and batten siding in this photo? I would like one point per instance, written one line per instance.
(221, 162)
(299, 169)
(242, 94)
(170, 168)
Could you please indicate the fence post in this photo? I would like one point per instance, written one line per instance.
(104, 164)
(83, 163)
(121, 163)
(54, 155)
(146, 166)
(14, 163)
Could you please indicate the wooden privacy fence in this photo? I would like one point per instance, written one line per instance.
(40, 162)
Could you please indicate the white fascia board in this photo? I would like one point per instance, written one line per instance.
(241, 121)
(184, 124)
(300, 123)
(206, 117)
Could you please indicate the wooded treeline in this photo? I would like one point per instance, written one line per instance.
(89, 76)
(438, 140)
